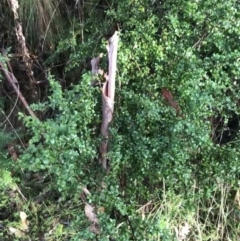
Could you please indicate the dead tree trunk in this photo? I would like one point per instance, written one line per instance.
(108, 94)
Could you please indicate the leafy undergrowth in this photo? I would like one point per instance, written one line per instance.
(31, 209)
(174, 171)
(215, 218)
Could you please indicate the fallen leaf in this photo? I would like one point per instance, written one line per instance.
(101, 209)
(18, 233)
(89, 212)
(22, 228)
(24, 223)
(167, 95)
(94, 228)
(183, 231)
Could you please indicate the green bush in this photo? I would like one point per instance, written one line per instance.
(65, 144)
(155, 155)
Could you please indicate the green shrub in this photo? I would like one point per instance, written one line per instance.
(154, 154)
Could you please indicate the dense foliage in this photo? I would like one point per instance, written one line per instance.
(170, 171)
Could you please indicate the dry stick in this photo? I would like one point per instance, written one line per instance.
(95, 69)
(22, 42)
(13, 81)
(112, 68)
(107, 111)
(91, 214)
(23, 49)
(18, 29)
(89, 209)
(108, 93)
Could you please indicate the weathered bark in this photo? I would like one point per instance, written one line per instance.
(107, 113)
(95, 69)
(22, 47)
(108, 93)
(91, 214)
(112, 68)
(95, 65)
(14, 83)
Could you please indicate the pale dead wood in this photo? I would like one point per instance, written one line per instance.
(95, 65)
(112, 68)
(22, 47)
(95, 69)
(106, 118)
(108, 93)
(90, 213)
(183, 231)
(107, 112)
(18, 29)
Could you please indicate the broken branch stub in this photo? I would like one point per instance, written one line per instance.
(95, 65)
(95, 69)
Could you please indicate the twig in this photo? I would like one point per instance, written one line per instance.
(200, 40)
(14, 83)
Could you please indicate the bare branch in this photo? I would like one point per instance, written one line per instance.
(108, 93)
(14, 83)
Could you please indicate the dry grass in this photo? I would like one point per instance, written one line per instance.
(42, 19)
(215, 218)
